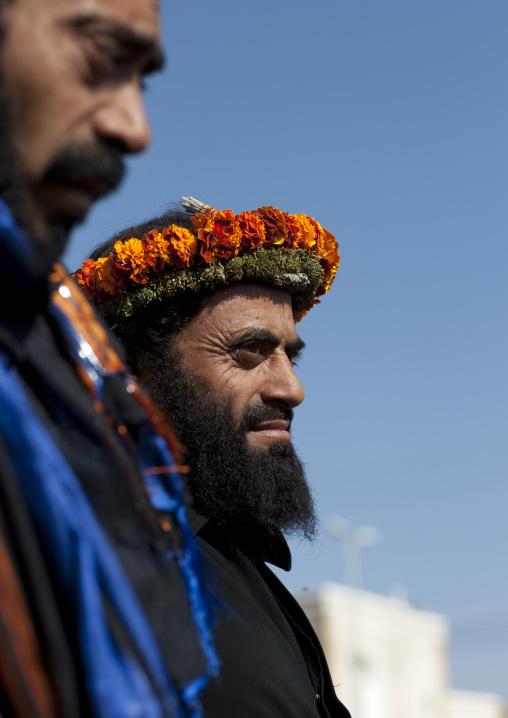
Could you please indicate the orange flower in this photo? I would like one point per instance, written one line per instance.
(107, 276)
(327, 249)
(253, 231)
(200, 219)
(85, 275)
(130, 257)
(307, 231)
(275, 225)
(220, 237)
(328, 277)
(100, 279)
(292, 231)
(182, 245)
(156, 252)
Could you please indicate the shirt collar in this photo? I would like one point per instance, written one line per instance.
(272, 549)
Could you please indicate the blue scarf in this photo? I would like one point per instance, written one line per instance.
(120, 684)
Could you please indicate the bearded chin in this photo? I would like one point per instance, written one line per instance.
(255, 492)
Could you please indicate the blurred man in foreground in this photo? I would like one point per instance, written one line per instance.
(206, 309)
(102, 611)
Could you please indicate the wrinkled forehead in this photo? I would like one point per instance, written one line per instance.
(235, 308)
(249, 291)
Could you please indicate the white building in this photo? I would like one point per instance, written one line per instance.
(466, 704)
(388, 659)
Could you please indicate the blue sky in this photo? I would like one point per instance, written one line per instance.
(387, 122)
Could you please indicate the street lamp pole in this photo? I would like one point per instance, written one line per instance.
(338, 528)
(352, 542)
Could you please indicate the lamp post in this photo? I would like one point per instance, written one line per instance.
(363, 537)
(338, 528)
(352, 542)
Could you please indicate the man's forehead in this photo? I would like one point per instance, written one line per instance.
(237, 308)
(141, 15)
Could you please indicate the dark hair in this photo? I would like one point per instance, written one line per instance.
(160, 322)
(170, 216)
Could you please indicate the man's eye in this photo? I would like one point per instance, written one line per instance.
(260, 348)
(250, 353)
(106, 61)
(100, 62)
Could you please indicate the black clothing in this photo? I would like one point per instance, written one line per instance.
(109, 474)
(273, 665)
(101, 448)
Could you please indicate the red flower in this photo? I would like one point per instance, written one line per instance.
(278, 225)
(252, 229)
(220, 237)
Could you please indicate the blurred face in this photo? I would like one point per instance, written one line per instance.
(72, 79)
(242, 345)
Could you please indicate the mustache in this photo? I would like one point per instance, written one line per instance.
(96, 168)
(265, 412)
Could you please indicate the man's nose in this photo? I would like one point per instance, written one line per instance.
(121, 119)
(282, 386)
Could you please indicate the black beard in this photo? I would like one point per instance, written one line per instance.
(79, 166)
(254, 492)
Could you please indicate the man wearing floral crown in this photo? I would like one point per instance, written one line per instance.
(102, 610)
(206, 308)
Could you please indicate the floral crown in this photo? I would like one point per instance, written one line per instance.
(289, 251)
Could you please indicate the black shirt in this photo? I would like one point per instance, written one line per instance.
(273, 665)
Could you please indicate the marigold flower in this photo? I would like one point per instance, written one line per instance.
(85, 275)
(328, 277)
(107, 277)
(220, 237)
(99, 279)
(275, 225)
(156, 252)
(130, 257)
(307, 230)
(208, 250)
(200, 219)
(292, 231)
(253, 231)
(182, 245)
(328, 249)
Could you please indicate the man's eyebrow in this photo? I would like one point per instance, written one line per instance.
(295, 348)
(132, 40)
(257, 334)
